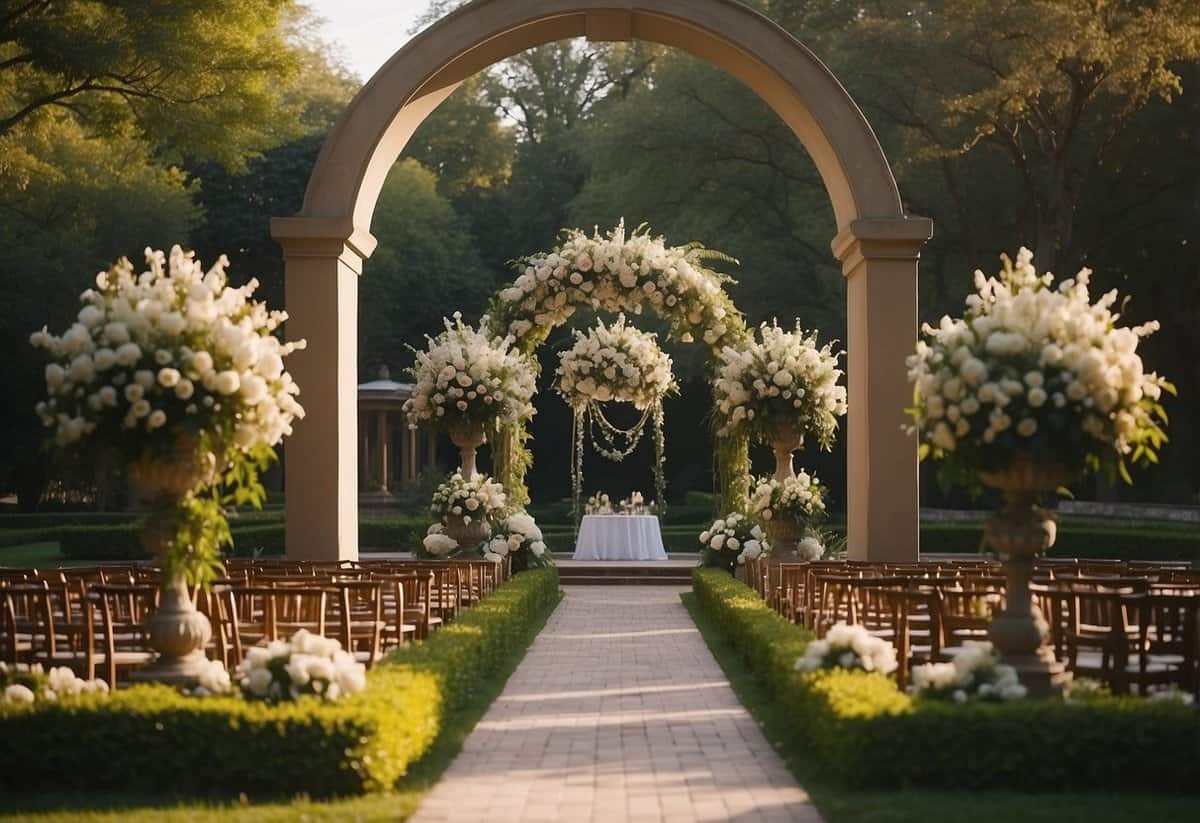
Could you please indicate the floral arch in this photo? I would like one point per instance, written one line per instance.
(877, 243)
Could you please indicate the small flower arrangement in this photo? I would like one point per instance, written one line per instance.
(974, 674)
(21, 683)
(599, 503)
(800, 499)
(469, 377)
(308, 664)
(614, 363)
(732, 539)
(437, 543)
(173, 367)
(517, 534)
(782, 380)
(1039, 369)
(849, 647)
(212, 679)
(479, 498)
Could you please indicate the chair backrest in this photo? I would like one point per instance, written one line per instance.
(123, 612)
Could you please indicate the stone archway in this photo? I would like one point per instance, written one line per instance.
(325, 244)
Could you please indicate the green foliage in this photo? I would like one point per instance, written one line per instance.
(851, 721)
(152, 738)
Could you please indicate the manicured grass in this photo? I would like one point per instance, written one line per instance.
(839, 804)
(395, 805)
(32, 554)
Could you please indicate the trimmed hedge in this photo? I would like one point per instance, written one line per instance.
(152, 738)
(865, 731)
(1148, 543)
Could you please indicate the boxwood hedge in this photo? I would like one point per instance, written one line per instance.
(865, 731)
(151, 738)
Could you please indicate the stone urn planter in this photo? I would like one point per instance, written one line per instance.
(1019, 532)
(177, 630)
(784, 533)
(467, 437)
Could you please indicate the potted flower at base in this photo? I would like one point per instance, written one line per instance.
(181, 377)
(731, 540)
(787, 509)
(464, 509)
(1030, 388)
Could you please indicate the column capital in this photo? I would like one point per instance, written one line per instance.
(323, 237)
(897, 238)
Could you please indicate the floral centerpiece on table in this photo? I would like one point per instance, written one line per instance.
(849, 647)
(616, 363)
(783, 382)
(24, 683)
(307, 664)
(975, 673)
(599, 503)
(464, 509)
(517, 534)
(732, 539)
(1034, 384)
(792, 507)
(180, 376)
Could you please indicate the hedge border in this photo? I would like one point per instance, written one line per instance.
(864, 731)
(152, 738)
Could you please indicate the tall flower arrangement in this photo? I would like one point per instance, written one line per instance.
(616, 363)
(182, 376)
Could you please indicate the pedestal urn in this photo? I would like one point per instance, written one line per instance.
(467, 437)
(785, 533)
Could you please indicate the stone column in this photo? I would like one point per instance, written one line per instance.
(879, 259)
(364, 456)
(323, 260)
(385, 445)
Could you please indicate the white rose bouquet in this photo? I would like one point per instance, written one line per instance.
(974, 674)
(1036, 369)
(517, 534)
(467, 376)
(308, 664)
(783, 380)
(618, 272)
(479, 498)
(730, 540)
(173, 368)
(800, 499)
(615, 362)
(849, 647)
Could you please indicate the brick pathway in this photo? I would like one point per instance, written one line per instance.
(618, 712)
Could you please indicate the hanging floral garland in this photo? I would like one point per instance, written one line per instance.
(614, 363)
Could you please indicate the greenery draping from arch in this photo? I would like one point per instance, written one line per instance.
(619, 272)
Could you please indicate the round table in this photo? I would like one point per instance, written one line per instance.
(619, 537)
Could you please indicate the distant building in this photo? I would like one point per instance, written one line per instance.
(391, 455)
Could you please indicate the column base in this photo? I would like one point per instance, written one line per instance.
(1040, 673)
(174, 671)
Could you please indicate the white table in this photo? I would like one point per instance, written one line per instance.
(619, 537)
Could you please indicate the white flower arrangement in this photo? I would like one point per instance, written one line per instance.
(308, 664)
(618, 272)
(437, 542)
(800, 499)
(734, 538)
(599, 503)
(516, 534)
(781, 380)
(479, 498)
(974, 674)
(212, 679)
(23, 683)
(614, 363)
(849, 647)
(175, 358)
(1036, 368)
(468, 376)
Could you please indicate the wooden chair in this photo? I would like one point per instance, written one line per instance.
(120, 613)
(1167, 647)
(360, 618)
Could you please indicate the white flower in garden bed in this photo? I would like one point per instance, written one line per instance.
(437, 542)
(212, 679)
(849, 647)
(974, 674)
(479, 498)
(308, 664)
(800, 498)
(170, 351)
(468, 376)
(517, 533)
(1036, 368)
(732, 538)
(614, 363)
(618, 272)
(783, 379)
(22, 683)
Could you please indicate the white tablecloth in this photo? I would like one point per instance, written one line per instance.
(619, 537)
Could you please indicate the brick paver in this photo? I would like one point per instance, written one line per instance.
(618, 712)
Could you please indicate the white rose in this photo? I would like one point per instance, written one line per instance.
(227, 382)
(184, 389)
(168, 378)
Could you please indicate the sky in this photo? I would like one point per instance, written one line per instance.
(367, 32)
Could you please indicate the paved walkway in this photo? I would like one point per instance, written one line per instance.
(618, 712)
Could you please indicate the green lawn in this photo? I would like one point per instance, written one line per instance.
(45, 807)
(31, 554)
(841, 804)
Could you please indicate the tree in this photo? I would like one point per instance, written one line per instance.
(201, 76)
